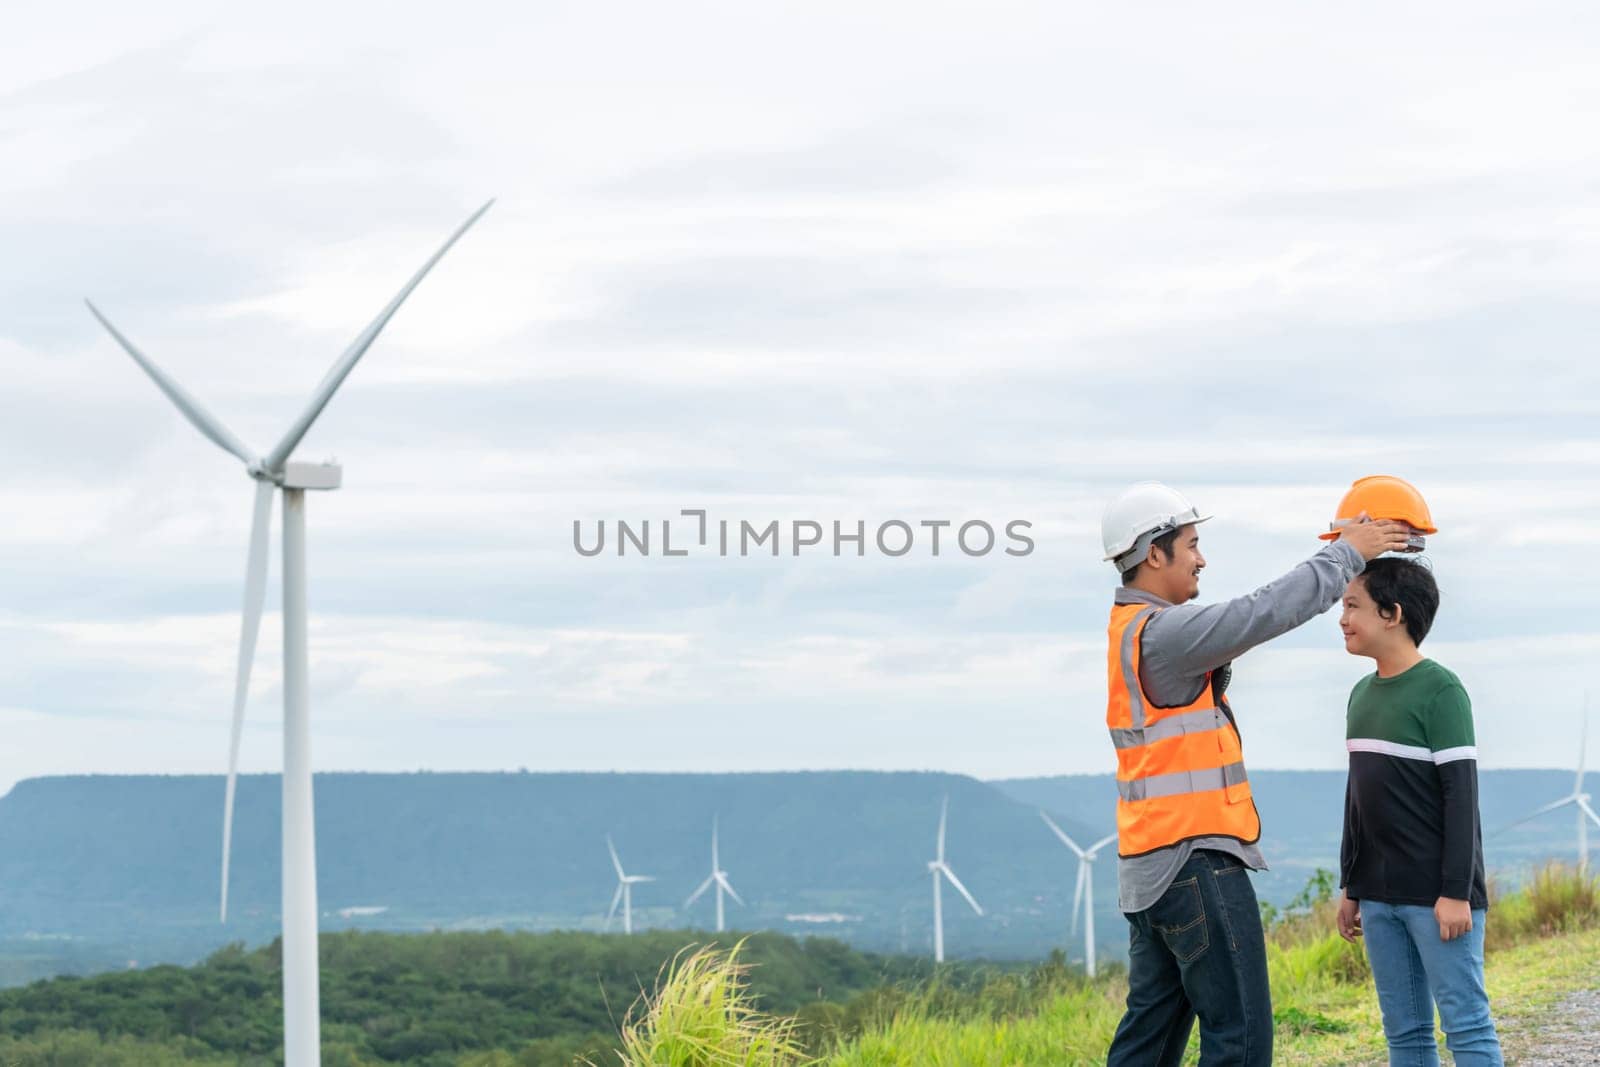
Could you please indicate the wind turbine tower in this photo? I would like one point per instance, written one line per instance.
(1084, 893)
(624, 893)
(272, 472)
(717, 878)
(941, 870)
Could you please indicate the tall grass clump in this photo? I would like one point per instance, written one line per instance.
(1564, 899)
(701, 1015)
(1559, 899)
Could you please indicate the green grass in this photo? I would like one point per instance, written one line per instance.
(1544, 942)
(1323, 1017)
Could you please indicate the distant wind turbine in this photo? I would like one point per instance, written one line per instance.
(271, 472)
(718, 878)
(940, 869)
(1578, 798)
(1084, 893)
(624, 894)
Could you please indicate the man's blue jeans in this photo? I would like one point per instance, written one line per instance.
(1413, 968)
(1198, 950)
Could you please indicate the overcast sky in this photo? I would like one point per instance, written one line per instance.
(839, 262)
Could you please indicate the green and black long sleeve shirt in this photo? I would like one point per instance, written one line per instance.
(1411, 831)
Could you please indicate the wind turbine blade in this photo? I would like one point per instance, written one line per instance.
(347, 361)
(1100, 844)
(948, 873)
(729, 887)
(1059, 832)
(1552, 806)
(696, 895)
(616, 899)
(1077, 896)
(198, 416)
(715, 864)
(639, 878)
(1587, 810)
(944, 810)
(255, 591)
(614, 861)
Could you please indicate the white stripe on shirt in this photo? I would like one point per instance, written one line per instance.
(1416, 752)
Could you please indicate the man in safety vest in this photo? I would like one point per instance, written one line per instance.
(1187, 828)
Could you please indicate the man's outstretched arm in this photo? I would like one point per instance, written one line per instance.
(1185, 641)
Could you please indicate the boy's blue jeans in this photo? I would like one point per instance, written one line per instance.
(1414, 969)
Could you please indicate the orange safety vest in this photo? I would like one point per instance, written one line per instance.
(1180, 770)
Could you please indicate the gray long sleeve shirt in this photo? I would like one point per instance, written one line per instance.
(1183, 642)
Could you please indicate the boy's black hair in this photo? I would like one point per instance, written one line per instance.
(1164, 543)
(1392, 580)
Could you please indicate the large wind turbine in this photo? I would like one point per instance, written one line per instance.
(624, 893)
(718, 877)
(273, 471)
(939, 868)
(1578, 798)
(1084, 893)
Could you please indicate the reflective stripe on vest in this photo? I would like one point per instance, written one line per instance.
(1170, 785)
(1189, 722)
(1180, 770)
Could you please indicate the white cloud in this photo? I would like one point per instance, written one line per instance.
(991, 264)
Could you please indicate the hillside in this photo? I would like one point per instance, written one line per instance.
(131, 864)
(98, 872)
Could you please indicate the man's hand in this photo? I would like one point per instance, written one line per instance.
(1349, 918)
(1373, 537)
(1455, 917)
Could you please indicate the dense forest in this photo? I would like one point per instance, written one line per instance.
(425, 1000)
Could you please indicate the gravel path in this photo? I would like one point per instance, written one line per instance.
(1568, 1036)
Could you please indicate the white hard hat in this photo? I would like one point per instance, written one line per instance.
(1140, 514)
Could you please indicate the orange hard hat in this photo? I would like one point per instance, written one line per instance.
(1382, 496)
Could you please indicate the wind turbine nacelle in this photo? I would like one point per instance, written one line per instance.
(312, 475)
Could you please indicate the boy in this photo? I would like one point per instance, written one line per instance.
(1411, 861)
